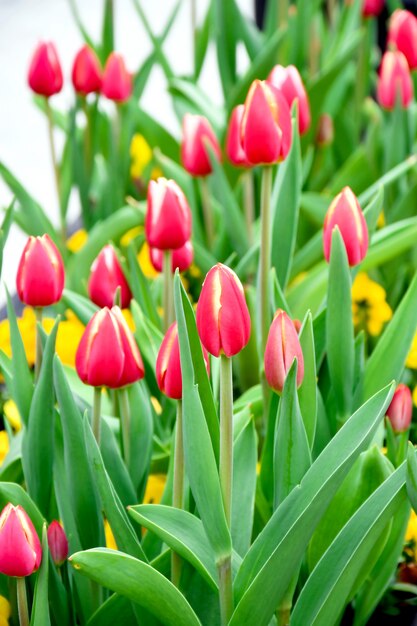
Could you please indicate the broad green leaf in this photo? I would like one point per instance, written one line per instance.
(5, 229)
(10, 492)
(244, 487)
(114, 464)
(394, 174)
(137, 581)
(140, 289)
(107, 30)
(141, 433)
(412, 475)
(40, 607)
(155, 134)
(307, 393)
(117, 609)
(201, 40)
(83, 308)
(225, 29)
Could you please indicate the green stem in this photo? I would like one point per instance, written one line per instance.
(248, 203)
(283, 613)
(38, 348)
(282, 12)
(168, 295)
(331, 9)
(224, 569)
(265, 252)
(207, 211)
(97, 413)
(55, 166)
(87, 134)
(178, 487)
(22, 602)
(125, 424)
(226, 434)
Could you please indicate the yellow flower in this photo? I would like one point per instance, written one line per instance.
(4, 448)
(415, 396)
(141, 154)
(5, 610)
(11, 413)
(77, 240)
(411, 535)
(369, 306)
(411, 361)
(154, 488)
(129, 319)
(131, 234)
(108, 533)
(381, 220)
(144, 261)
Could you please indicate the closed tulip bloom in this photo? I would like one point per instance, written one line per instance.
(168, 364)
(346, 213)
(402, 35)
(168, 216)
(105, 277)
(40, 275)
(282, 347)
(234, 149)
(223, 319)
(372, 8)
(181, 258)
(266, 129)
(133, 369)
(45, 74)
(58, 543)
(20, 548)
(400, 411)
(86, 72)
(289, 82)
(117, 81)
(394, 81)
(196, 133)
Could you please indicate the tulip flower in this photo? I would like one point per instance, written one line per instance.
(346, 213)
(86, 72)
(400, 410)
(168, 215)
(266, 125)
(282, 347)
(223, 319)
(45, 74)
(196, 134)
(372, 8)
(325, 131)
(234, 149)
(20, 548)
(40, 275)
(105, 277)
(394, 81)
(117, 82)
(402, 35)
(58, 543)
(181, 258)
(290, 84)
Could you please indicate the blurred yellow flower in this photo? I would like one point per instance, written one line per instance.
(77, 240)
(5, 611)
(154, 488)
(108, 533)
(411, 535)
(129, 319)
(4, 448)
(411, 361)
(157, 407)
(11, 413)
(144, 261)
(369, 306)
(381, 220)
(141, 155)
(131, 234)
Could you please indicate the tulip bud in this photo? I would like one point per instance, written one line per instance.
(40, 275)
(86, 72)
(266, 129)
(196, 133)
(289, 82)
(325, 131)
(105, 277)
(394, 81)
(117, 81)
(58, 543)
(181, 257)
(133, 369)
(346, 213)
(168, 364)
(282, 347)
(400, 410)
(45, 74)
(402, 35)
(234, 149)
(20, 548)
(168, 216)
(372, 8)
(223, 319)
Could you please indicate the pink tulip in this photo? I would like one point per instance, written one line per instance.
(400, 411)
(58, 543)
(45, 74)
(117, 83)
(346, 213)
(181, 258)
(105, 278)
(394, 81)
(402, 35)
(196, 134)
(20, 548)
(282, 347)
(234, 149)
(86, 72)
(168, 215)
(40, 275)
(289, 82)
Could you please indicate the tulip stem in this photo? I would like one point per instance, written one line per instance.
(248, 203)
(55, 167)
(22, 602)
(168, 294)
(97, 414)
(207, 211)
(226, 434)
(224, 569)
(38, 340)
(178, 487)
(125, 424)
(265, 260)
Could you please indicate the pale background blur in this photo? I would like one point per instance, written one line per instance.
(23, 133)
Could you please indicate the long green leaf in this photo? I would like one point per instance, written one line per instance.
(307, 394)
(40, 607)
(244, 487)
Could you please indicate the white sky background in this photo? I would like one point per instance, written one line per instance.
(24, 144)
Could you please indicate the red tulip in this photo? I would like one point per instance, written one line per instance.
(45, 74)
(107, 355)
(86, 71)
(105, 277)
(346, 213)
(266, 125)
(223, 319)
(234, 149)
(282, 347)
(58, 543)
(289, 82)
(168, 364)
(40, 275)
(196, 133)
(400, 411)
(117, 81)
(372, 8)
(394, 81)
(168, 216)
(402, 35)
(181, 257)
(20, 548)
